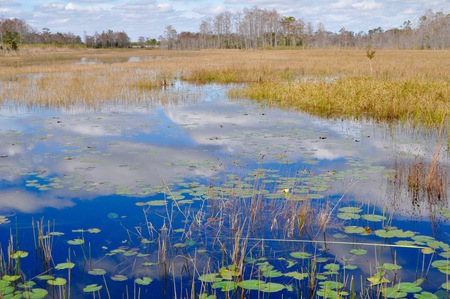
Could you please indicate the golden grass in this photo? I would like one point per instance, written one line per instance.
(408, 86)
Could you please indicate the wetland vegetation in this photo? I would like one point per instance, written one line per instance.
(224, 174)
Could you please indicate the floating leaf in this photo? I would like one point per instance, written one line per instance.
(35, 294)
(296, 275)
(76, 242)
(377, 279)
(7, 277)
(425, 295)
(354, 229)
(373, 217)
(300, 254)
(19, 254)
(427, 250)
(225, 286)
(45, 277)
(143, 281)
(353, 210)
(358, 251)
(348, 216)
(97, 271)
(62, 266)
(389, 266)
(57, 281)
(93, 230)
(251, 284)
(394, 292)
(332, 285)
(272, 287)
(332, 267)
(119, 277)
(92, 288)
(408, 287)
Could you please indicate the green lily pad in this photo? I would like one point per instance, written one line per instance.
(348, 216)
(45, 277)
(143, 281)
(35, 294)
(93, 230)
(353, 210)
(331, 285)
(57, 281)
(389, 266)
(225, 286)
(92, 288)
(272, 287)
(300, 254)
(62, 266)
(212, 277)
(9, 278)
(394, 292)
(19, 254)
(408, 287)
(354, 229)
(425, 295)
(332, 267)
(373, 217)
(76, 242)
(297, 275)
(119, 277)
(358, 251)
(251, 284)
(378, 278)
(97, 271)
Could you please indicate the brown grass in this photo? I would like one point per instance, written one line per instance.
(334, 83)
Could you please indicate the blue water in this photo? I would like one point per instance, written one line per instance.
(231, 164)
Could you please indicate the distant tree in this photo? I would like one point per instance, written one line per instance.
(11, 41)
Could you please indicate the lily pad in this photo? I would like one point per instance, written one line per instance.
(92, 288)
(373, 217)
(251, 284)
(62, 266)
(296, 275)
(354, 229)
(143, 281)
(97, 271)
(225, 286)
(272, 287)
(300, 254)
(76, 242)
(19, 254)
(35, 294)
(59, 281)
(119, 277)
(425, 295)
(358, 251)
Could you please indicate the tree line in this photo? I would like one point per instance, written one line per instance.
(261, 28)
(14, 32)
(248, 29)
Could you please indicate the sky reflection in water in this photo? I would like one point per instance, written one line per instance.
(78, 167)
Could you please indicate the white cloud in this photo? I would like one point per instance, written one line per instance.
(367, 5)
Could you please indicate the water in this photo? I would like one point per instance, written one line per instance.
(274, 180)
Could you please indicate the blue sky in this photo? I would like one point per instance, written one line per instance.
(148, 18)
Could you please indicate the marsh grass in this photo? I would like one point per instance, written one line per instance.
(417, 102)
(403, 86)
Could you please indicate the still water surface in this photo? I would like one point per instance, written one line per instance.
(101, 184)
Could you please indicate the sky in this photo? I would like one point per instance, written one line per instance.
(148, 18)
